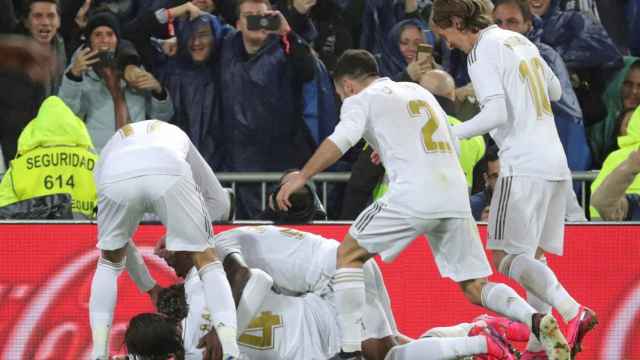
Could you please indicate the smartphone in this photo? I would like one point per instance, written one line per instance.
(424, 51)
(106, 59)
(263, 22)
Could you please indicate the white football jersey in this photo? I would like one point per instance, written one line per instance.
(505, 64)
(147, 147)
(300, 262)
(285, 327)
(407, 127)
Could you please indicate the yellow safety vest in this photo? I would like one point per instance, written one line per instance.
(54, 170)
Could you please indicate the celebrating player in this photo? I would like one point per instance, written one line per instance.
(302, 324)
(427, 194)
(514, 85)
(152, 166)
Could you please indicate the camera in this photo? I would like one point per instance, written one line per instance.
(263, 22)
(107, 59)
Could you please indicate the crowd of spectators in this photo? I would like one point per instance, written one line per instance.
(258, 97)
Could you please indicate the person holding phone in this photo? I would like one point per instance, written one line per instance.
(408, 53)
(99, 62)
(264, 66)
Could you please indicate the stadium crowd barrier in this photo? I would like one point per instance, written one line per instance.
(47, 270)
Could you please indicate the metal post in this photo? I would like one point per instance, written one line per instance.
(324, 194)
(264, 194)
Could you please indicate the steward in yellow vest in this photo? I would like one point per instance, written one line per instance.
(55, 155)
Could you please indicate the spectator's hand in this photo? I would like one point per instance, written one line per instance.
(24, 55)
(375, 158)
(145, 81)
(410, 6)
(465, 92)
(186, 9)
(131, 73)
(418, 68)
(284, 24)
(290, 184)
(211, 345)
(170, 47)
(86, 57)
(81, 17)
(304, 6)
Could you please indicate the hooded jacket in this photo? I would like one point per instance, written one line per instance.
(627, 143)
(579, 39)
(55, 155)
(194, 87)
(391, 61)
(602, 135)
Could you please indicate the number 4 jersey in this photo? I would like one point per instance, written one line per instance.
(407, 127)
(506, 65)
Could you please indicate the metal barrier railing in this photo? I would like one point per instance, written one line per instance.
(263, 178)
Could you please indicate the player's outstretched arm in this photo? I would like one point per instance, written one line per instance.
(493, 115)
(609, 199)
(326, 155)
(216, 199)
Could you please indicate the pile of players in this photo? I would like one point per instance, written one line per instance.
(276, 293)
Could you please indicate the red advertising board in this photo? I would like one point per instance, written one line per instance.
(47, 271)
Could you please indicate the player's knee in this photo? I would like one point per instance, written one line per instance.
(472, 290)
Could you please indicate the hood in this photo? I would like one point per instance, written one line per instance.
(55, 124)
(392, 59)
(612, 96)
(633, 132)
(185, 29)
(537, 29)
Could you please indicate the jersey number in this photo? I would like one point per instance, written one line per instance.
(532, 72)
(429, 128)
(259, 334)
(50, 181)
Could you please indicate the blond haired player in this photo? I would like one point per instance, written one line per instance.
(152, 166)
(514, 85)
(427, 193)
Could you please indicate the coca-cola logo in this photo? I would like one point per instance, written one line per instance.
(624, 328)
(54, 321)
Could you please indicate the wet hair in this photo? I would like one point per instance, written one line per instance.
(152, 336)
(172, 302)
(523, 5)
(475, 14)
(356, 64)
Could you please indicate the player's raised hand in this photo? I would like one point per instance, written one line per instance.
(212, 348)
(291, 183)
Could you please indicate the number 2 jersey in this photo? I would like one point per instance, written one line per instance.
(407, 127)
(506, 65)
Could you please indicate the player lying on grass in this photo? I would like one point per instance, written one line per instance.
(303, 323)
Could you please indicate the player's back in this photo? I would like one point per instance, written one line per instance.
(144, 148)
(529, 142)
(297, 261)
(409, 129)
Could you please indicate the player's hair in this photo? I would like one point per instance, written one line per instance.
(173, 303)
(523, 5)
(31, 2)
(153, 337)
(491, 154)
(240, 2)
(475, 14)
(356, 64)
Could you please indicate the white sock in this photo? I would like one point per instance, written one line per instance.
(348, 284)
(217, 293)
(439, 348)
(138, 270)
(538, 278)
(102, 302)
(534, 345)
(459, 330)
(505, 301)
